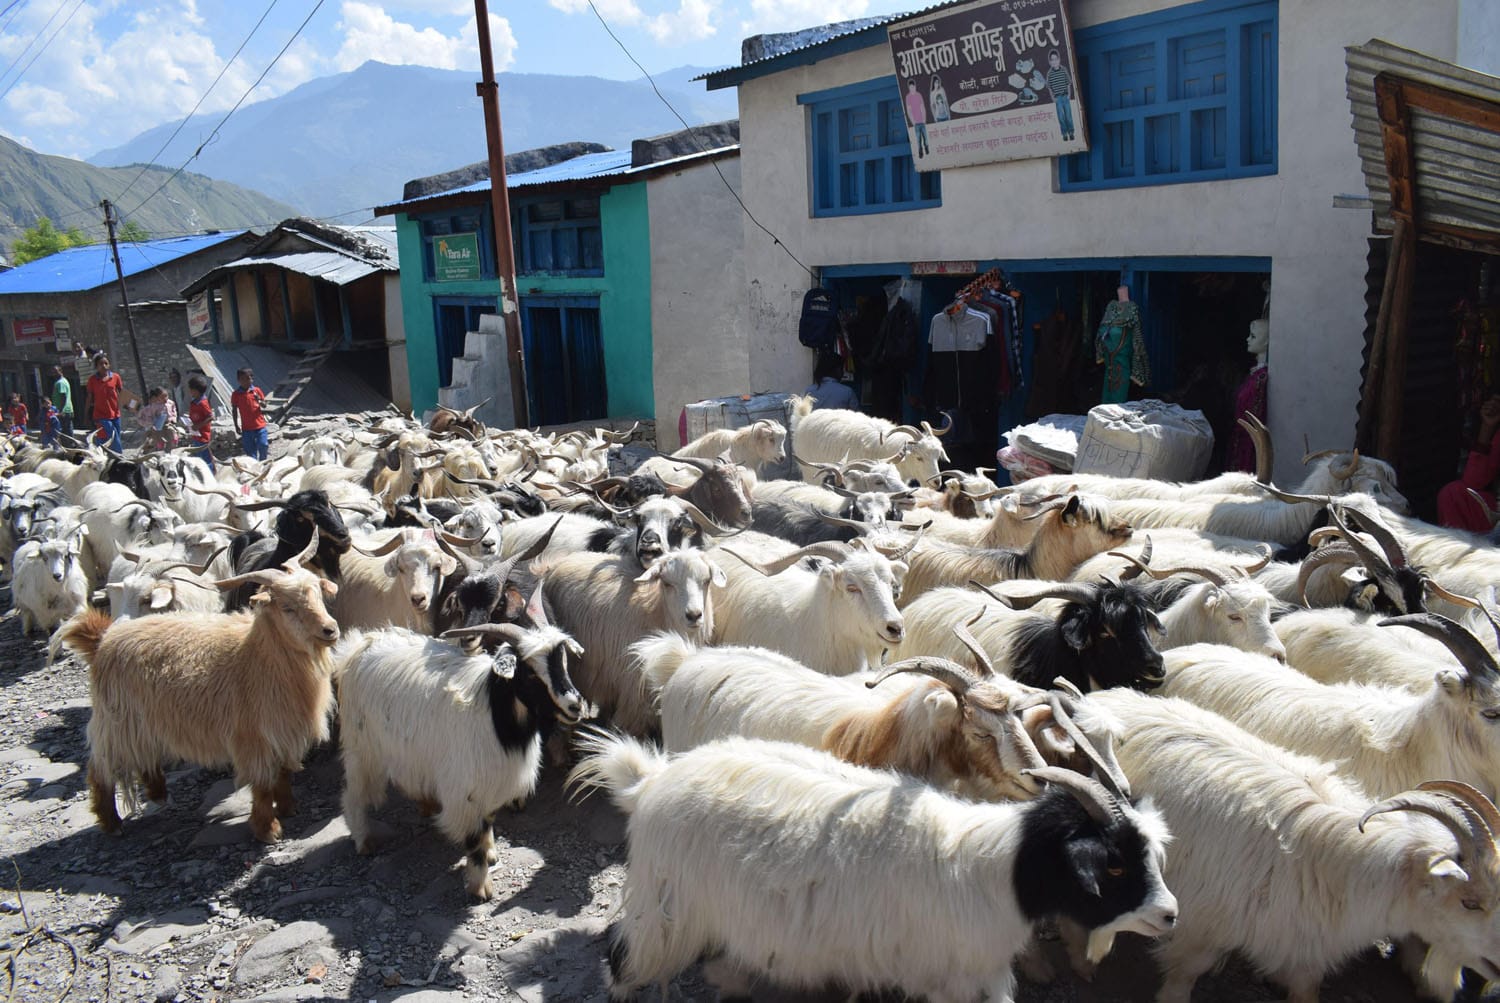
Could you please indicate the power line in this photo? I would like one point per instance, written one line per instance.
(230, 62)
(713, 163)
(39, 33)
(214, 134)
(38, 54)
(15, 5)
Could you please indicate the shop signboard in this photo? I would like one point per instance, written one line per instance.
(200, 316)
(455, 257)
(989, 81)
(944, 267)
(62, 336)
(32, 330)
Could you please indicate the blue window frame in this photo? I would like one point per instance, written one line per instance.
(476, 221)
(1186, 94)
(558, 236)
(564, 358)
(861, 156)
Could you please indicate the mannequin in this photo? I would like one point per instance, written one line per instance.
(1252, 398)
(1121, 346)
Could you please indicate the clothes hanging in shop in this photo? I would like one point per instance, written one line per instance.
(1121, 345)
(1251, 399)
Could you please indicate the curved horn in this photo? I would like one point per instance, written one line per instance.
(1066, 591)
(477, 482)
(1471, 654)
(1106, 766)
(1395, 556)
(261, 506)
(504, 568)
(514, 633)
(1211, 575)
(701, 518)
(1265, 455)
(1091, 794)
(838, 520)
(307, 553)
(949, 673)
(394, 543)
(1347, 470)
(536, 609)
(1296, 499)
(1374, 562)
(1326, 555)
(458, 541)
(1471, 796)
(892, 552)
(1142, 563)
(1454, 814)
(468, 412)
(981, 657)
(836, 552)
(264, 577)
(221, 492)
(619, 437)
(197, 569)
(1266, 554)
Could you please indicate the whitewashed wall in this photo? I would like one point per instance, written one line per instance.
(698, 342)
(395, 337)
(1012, 210)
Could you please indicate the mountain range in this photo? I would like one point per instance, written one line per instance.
(350, 141)
(64, 190)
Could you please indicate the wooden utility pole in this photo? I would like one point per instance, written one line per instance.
(114, 248)
(505, 261)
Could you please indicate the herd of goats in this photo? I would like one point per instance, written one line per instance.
(871, 729)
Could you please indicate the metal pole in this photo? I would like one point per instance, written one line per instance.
(135, 351)
(505, 262)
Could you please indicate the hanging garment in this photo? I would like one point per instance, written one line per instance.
(964, 331)
(1252, 399)
(1121, 346)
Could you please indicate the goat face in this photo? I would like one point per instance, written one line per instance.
(685, 577)
(420, 568)
(1241, 617)
(59, 556)
(868, 585)
(321, 451)
(873, 507)
(544, 653)
(1113, 632)
(296, 599)
(723, 493)
(922, 459)
(1104, 876)
(308, 509)
(166, 472)
(661, 524)
(769, 438)
(473, 522)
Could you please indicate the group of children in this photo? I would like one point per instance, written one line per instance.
(158, 417)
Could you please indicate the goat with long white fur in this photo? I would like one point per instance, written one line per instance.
(833, 435)
(118, 520)
(752, 447)
(928, 717)
(1386, 740)
(606, 602)
(48, 585)
(838, 617)
(721, 835)
(1279, 859)
(392, 582)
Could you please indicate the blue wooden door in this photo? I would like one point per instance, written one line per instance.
(564, 359)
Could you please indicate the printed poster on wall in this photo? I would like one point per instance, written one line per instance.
(32, 330)
(455, 258)
(989, 81)
(200, 316)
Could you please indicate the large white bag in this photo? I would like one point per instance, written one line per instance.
(1147, 438)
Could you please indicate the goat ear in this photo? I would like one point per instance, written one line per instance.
(1451, 681)
(329, 589)
(1445, 868)
(899, 570)
(161, 597)
(717, 576)
(1087, 859)
(651, 574)
(392, 566)
(447, 565)
(260, 598)
(941, 706)
(1211, 600)
(1070, 511)
(1075, 629)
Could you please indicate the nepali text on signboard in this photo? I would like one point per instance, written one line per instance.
(32, 330)
(62, 336)
(989, 81)
(944, 267)
(455, 257)
(200, 317)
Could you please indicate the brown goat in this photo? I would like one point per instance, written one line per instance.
(249, 690)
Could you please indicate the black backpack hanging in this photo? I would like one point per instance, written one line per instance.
(818, 328)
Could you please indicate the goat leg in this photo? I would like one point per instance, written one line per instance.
(264, 824)
(477, 848)
(286, 803)
(155, 782)
(102, 799)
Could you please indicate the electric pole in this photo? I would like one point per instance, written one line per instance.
(135, 351)
(505, 262)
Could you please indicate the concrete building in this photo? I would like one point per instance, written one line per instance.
(50, 307)
(629, 274)
(1220, 145)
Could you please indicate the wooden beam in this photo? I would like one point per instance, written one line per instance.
(1472, 111)
(1463, 237)
(1393, 394)
(344, 312)
(1369, 398)
(234, 306)
(1395, 136)
(286, 308)
(260, 303)
(318, 310)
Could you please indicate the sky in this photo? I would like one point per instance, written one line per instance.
(80, 76)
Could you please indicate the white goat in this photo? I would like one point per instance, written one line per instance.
(833, 435)
(756, 444)
(605, 602)
(49, 586)
(1280, 860)
(392, 582)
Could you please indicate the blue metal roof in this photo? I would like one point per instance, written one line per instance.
(81, 268)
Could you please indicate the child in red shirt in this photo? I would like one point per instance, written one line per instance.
(18, 415)
(249, 420)
(201, 417)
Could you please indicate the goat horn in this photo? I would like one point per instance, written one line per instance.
(264, 577)
(1091, 794)
(536, 609)
(1453, 597)
(514, 633)
(949, 673)
(221, 492)
(1141, 563)
(1211, 575)
(1375, 563)
(1067, 686)
(477, 482)
(1394, 554)
(1266, 554)
(468, 412)
(262, 505)
(1066, 591)
(843, 492)
(981, 657)
(838, 520)
(307, 554)
(1456, 816)
(197, 569)
(394, 543)
(704, 522)
(1471, 796)
(835, 552)
(1295, 499)
(1346, 471)
(939, 432)
(1471, 654)
(1338, 552)
(504, 568)
(456, 540)
(1105, 765)
(1484, 506)
(1260, 437)
(619, 437)
(892, 552)
(1309, 456)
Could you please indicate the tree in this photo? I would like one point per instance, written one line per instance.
(44, 239)
(133, 233)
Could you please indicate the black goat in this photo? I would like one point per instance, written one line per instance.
(491, 593)
(129, 473)
(300, 515)
(799, 523)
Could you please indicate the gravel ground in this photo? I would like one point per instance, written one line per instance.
(185, 906)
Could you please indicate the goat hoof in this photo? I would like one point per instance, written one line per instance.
(286, 809)
(270, 834)
(485, 891)
(492, 856)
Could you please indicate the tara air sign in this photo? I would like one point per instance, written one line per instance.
(455, 257)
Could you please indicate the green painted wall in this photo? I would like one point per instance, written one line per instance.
(420, 315)
(624, 292)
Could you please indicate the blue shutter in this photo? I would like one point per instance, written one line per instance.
(1259, 86)
(586, 361)
(861, 156)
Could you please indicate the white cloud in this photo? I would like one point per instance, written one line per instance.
(613, 11)
(791, 15)
(692, 21)
(371, 33)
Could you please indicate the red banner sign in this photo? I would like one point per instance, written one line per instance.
(32, 330)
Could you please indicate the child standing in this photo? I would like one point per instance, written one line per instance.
(159, 419)
(249, 419)
(19, 416)
(201, 417)
(51, 423)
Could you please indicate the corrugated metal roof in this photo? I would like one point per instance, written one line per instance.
(588, 167)
(330, 266)
(81, 268)
(1457, 179)
(337, 264)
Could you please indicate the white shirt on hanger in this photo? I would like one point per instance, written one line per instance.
(964, 332)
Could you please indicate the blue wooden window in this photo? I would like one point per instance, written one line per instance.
(470, 221)
(1185, 94)
(861, 156)
(558, 236)
(564, 359)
